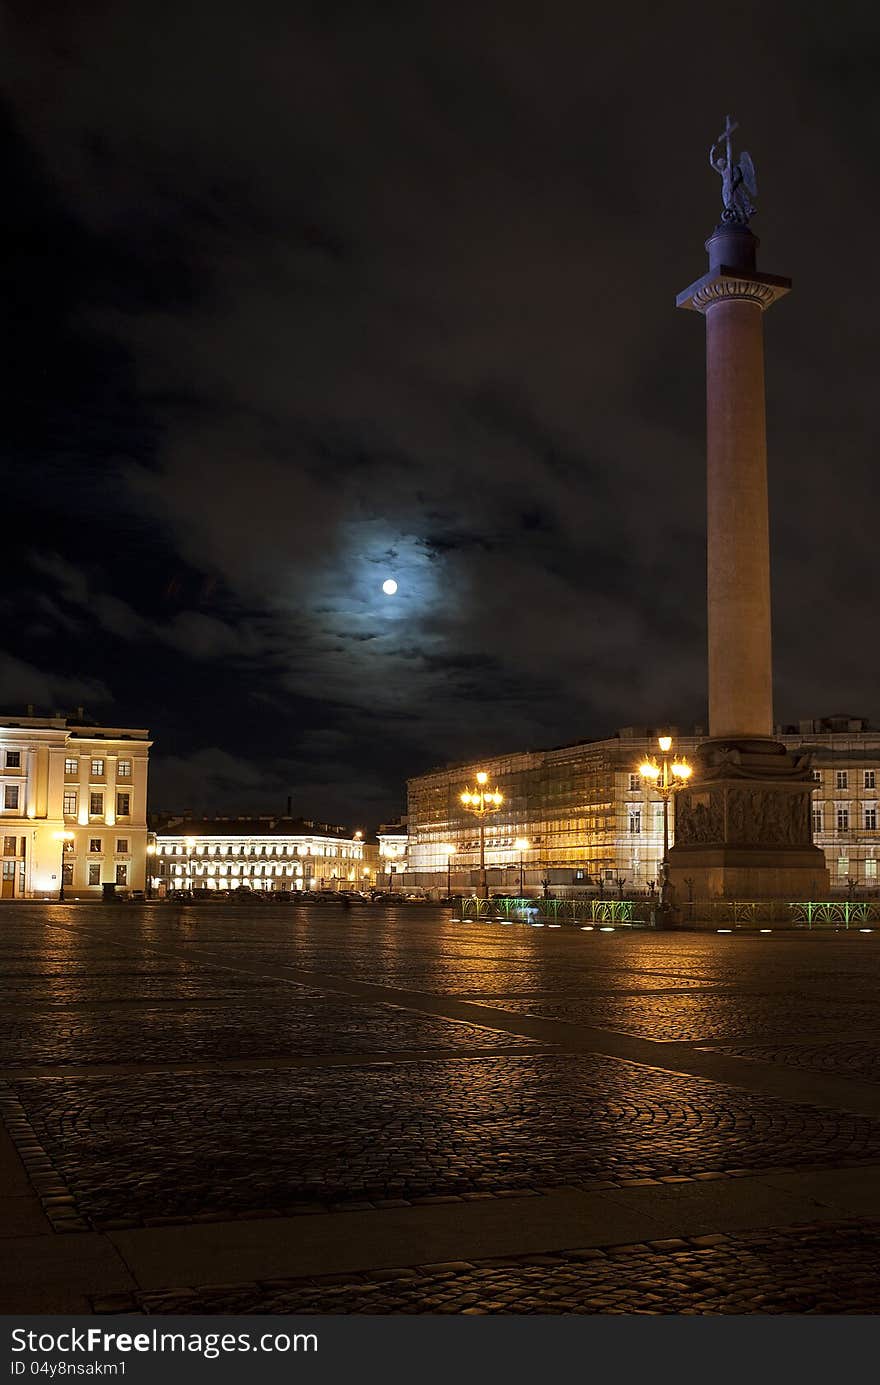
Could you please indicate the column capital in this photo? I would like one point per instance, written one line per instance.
(724, 282)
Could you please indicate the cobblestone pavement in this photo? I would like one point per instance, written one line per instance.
(688, 1017)
(858, 1059)
(290, 1026)
(365, 1100)
(134, 1149)
(808, 1269)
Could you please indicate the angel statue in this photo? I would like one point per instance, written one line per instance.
(738, 185)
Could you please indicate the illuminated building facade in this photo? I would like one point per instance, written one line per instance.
(73, 807)
(393, 842)
(846, 799)
(268, 854)
(592, 822)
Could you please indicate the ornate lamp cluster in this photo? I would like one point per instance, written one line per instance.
(482, 801)
(666, 779)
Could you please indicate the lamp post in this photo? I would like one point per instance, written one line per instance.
(666, 779)
(64, 838)
(521, 844)
(448, 850)
(481, 802)
(189, 843)
(148, 881)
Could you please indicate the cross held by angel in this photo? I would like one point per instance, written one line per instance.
(738, 183)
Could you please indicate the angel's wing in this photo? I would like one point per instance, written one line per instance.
(748, 173)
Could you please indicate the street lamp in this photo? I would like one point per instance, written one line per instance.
(521, 844)
(666, 779)
(148, 882)
(448, 850)
(481, 802)
(64, 838)
(189, 843)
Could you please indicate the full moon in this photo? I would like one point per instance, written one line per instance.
(389, 586)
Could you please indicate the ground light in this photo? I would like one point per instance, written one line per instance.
(587, 928)
(723, 930)
(765, 930)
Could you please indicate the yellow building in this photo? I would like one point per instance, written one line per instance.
(73, 807)
(580, 816)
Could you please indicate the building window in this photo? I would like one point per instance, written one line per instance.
(843, 819)
(67, 872)
(123, 805)
(871, 819)
(97, 769)
(10, 796)
(817, 818)
(634, 783)
(870, 779)
(843, 778)
(635, 822)
(842, 866)
(94, 873)
(122, 846)
(70, 803)
(13, 759)
(817, 776)
(96, 804)
(71, 766)
(870, 869)
(122, 875)
(95, 844)
(123, 769)
(9, 846)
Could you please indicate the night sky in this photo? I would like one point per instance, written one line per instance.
(302, 297)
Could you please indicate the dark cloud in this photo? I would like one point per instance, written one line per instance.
(320, 294)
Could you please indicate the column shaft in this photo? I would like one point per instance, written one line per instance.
(740, 666)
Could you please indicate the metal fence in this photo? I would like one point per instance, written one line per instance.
(755, 913)
(645, 913)
(633, 913)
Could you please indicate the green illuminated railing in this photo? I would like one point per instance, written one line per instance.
(831, 913)
(576, 911)
(645, 913)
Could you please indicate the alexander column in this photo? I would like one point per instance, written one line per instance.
(743, 824)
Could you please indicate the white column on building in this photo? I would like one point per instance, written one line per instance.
(110, 790)
(85, 774)
(29, 787)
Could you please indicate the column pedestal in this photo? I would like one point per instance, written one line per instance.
(743, 826)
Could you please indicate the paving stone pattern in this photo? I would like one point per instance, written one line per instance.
(686, 1017)
(418, 1108)
(805, 1270)
(290, 1026)
(860, 1059)
(135, 1148)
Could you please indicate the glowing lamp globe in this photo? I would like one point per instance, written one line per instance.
(389, 586)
